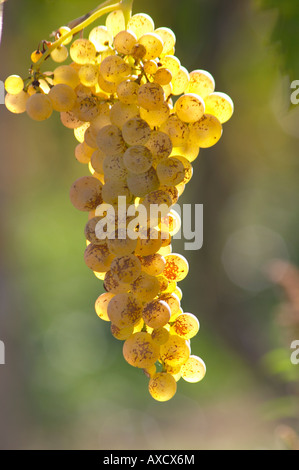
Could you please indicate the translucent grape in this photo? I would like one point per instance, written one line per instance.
(67, 75)
(177, 130)
(193, 370)
(180, 81)
(168, 38)
(60, 54)
(114, 168)
(136, 131)
(126, 268)
(97, 257)
(121, 333)
(124, 42)
(127, 92)
(160, 145)
(153, 264)
(140, 24)
(201, 83)
(163, 76)
(153, 45)
(138, 52)
(170, 171)
(114, 68)
(113, 286)
(140, 350)
(162, 386)
(86, 193)
(35, 56)
(79, 132)
(150, 67)
(160, 335)
(145, 287)
(175, 351)
(156, 313)
(70, 121)
(115, 22)
(156, 117)
(150, 245)
(190, 107)
(121, 246)
(206, 132)
(89, 75)
(171, 63)
(63, 31)
(190, 151)
(186, 326)
(101, 305)
(187, 168)
(101, 38)
(14, 84)
(97, 160)
(16, 103)
(39, 107)
(137, 159)
(90, 231)
(173, 302)
(62, 97)
(107, 87)
(172, 191)
(83, 153)
(143, 183)
(82, 51)
(151, 96)
(150, 371)
(219, 105)
(176, 268)
(121, 113)
(124, 310)
(110, 140)
(113, 189)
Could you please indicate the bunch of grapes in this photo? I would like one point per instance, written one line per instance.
(140, 119)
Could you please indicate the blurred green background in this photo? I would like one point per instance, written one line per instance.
(65, 383)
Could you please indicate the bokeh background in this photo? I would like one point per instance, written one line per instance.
(65, 383)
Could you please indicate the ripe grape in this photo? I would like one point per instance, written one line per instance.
(219, 105)
(201, 82)
(156, 313)
(121, 113)
(176, 268)
(140, 350)
(14, 84)
(153, 45)
(143, 183)
(62, 97)
(190, 107)
(39, 107)
(16, 103)
(206, 132)
(145, 287)
(162, 386)
(86, 193)
(101, 305)
(101, 38)
(124, 310)
(193, 370)
(186, 326)
(60, 54)
(82, 51)
(127, 92)
(124, 42)
(110, 140)
(126, 268)
(67, 75)
(140, 24)
(168, 38)
(97, 257)
(151, 96)
(137, 159)
(175, 351)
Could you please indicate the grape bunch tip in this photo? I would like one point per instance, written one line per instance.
(140, 119)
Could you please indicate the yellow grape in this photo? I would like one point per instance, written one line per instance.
(173, 302)
(201, 83)
(79, 132)
(172, 192)
(145, 287)
(150, 67)
(67, 75)
(89, 75)
(138, 52)
(190, 151)
(136, 131)
(127, 92)
(188, 169)
(82, 51)
(177, 130)
(86, 193)
(140, 350)
(113, 189)
(150, 371)
(156, 313)
(206, 132)
(97, 257)
(124, 310)
(121, 333)
(39, 107)
(124, 42)
(90, 231)
(114, 68)
(97, 160)
(60, 54)
(140, 24)
(143, 183)
(163, 76)
(137, 159)
(160, 335)
(170, 171)
(160, 145)
(162, 386)
(121, 113)
(168, 38)
(219, 105)
(115, 22)
(113, 286)
(176, 268)
(153, 264)
(153, 45)
(70, 121)
(193, 370)
(151, 96)
(36, 55)
(149, 246)
(126, 268)
(63, 31)
(83, 153)
(101, 38)
(62, 97)
(155, 117)
(180, 81)
(101, 305)
(14, 84)
(171, 63)
(16, 103)
(175, 351)
(186, 326)
(114, 168)
(121, 246)
(110, 140)
(190, 107)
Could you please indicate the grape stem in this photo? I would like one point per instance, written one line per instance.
(86, 20)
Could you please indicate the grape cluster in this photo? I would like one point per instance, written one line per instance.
(140, 119)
